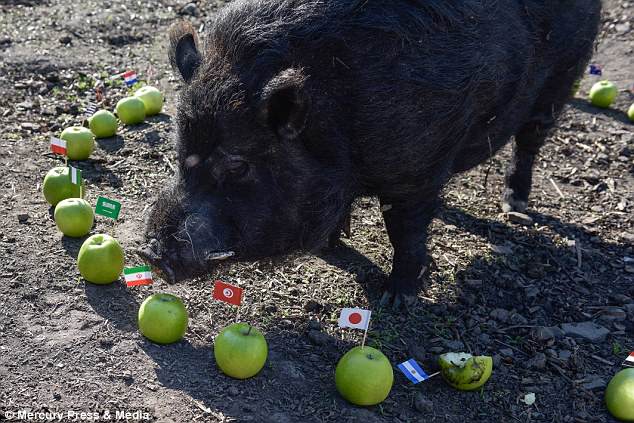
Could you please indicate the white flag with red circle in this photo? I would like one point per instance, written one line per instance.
(356, 318)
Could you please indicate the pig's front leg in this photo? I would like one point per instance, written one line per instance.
(406, 224)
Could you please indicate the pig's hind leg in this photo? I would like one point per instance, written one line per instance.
(406, 224)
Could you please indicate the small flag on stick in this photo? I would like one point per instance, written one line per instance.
(629, 361)
(58, 146)
(596, 70)
(91, 108)
(227, 293)
(108, 208)
(413, 371)
(130, 78)
(75, 176)
(136, 276)
(356, 318)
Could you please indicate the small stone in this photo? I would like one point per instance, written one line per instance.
(564, 356)
(65, 39)
(588, 331)
(519, 218)
(423, 404)
(29, 126)
(190, 9)
(5, 41)
(500, 315)
(537, 362)
(318, 338)
(543, 334)
(454, 345)
(23, 217)
(312, 306)
(506, 352)
(484, 339)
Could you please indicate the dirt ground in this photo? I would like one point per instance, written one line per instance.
(498, 288)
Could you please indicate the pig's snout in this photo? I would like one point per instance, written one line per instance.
(152, 255)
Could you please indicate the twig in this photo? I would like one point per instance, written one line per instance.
(512, 347)
(602, 360)
(561, 194)
(560, 371)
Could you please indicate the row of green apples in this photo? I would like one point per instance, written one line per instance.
(80, 141)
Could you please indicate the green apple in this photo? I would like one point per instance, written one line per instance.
(103, 124)
(100, 259)
(57, 186)
(79, 142)
(240, 350)
(131, 110)
(163, 318)
(603, 93)
(619, 395)
(364, 376)
(464, 371)
(74, 217)
(152, 98)
(630, 112)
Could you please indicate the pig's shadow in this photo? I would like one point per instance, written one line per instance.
(111, 144)
(293, 364)
(586, 106)
(115, 303)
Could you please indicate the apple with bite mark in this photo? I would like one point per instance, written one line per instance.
(103, 124)
(163, 318)
(240, 350)
(152, 98)
(364, 376)
(79, 142)
(100, 259)
(130, 110)
(58, 186)
(74, 217)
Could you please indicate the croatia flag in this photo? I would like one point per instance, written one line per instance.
(140, 275)
(629, 361)
(58, 146)
(227, 293)
(413, 371)
(356, 318)
(129, 78)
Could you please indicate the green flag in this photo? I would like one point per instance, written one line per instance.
(108, 208)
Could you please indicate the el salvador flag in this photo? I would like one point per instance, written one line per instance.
(413, 371)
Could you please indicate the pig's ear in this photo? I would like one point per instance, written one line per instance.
(285, 104)
(184, 55)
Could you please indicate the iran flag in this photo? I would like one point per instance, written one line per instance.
(356, 318)
(629, 361)
(58, 146)
(227, 293)
(135, 276)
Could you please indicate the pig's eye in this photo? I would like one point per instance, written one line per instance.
(237, 168)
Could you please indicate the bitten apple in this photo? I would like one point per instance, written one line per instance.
(100, 259)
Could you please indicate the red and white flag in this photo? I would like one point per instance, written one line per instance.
(629, 361)
(356, 318)
(58, 146)
(227, 293)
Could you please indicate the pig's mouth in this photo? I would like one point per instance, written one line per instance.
(172, 274)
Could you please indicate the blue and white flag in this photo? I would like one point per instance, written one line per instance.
(413, 371)
(596, 70)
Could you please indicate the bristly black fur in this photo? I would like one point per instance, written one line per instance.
(293, 108)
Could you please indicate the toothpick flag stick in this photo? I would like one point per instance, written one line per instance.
(356, 318)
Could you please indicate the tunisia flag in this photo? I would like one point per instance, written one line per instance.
(356, 318)
(227, 293)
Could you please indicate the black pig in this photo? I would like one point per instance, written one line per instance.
(293, 108)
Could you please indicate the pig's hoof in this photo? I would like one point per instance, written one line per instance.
(398, 300)
(512, 204)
